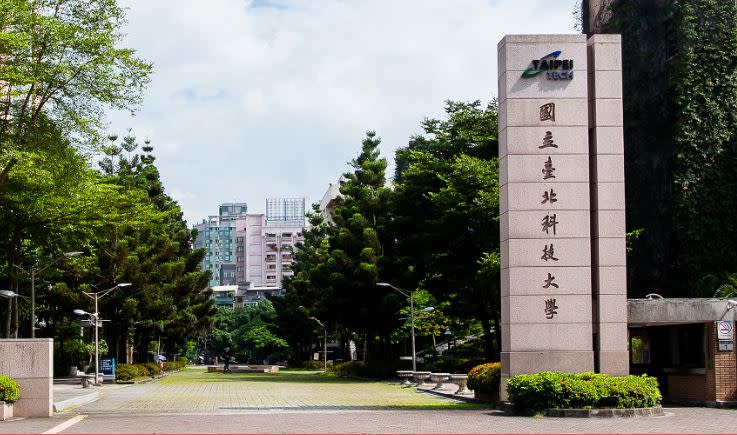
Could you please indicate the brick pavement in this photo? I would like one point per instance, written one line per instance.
(190, 403)
(678, 420)
(195, 391)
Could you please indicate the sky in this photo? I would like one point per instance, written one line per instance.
(256, 99)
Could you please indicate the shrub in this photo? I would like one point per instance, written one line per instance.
(581, 390)
(171, 366)
(366, 369)
(152, 368)
(181, 361)
(126, 372)
(9, 391)
(453, 364)
(308, 364)
(484, 378)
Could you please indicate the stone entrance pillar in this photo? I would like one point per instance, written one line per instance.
(31, 363)
(550, 311)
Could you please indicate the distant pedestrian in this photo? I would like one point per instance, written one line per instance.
(226, 364)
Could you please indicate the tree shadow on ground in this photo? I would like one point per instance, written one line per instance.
(285, 377)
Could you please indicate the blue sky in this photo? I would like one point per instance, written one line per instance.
(253, 99)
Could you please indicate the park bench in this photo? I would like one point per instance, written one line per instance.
(421, 377)
(406, 375)
(461, 381)
(439, 379)
(87, 380)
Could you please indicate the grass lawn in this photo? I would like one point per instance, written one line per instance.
(305, 389)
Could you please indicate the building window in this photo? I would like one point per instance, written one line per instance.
(286, 234)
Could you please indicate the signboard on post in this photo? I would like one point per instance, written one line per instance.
(107, 368)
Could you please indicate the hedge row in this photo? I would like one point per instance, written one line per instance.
(366, 369)
(485, 378)
(582, 390)
(127, 372)
(9, 391)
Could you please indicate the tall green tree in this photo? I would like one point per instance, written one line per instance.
(356, 247)
(166, 302)
(446, 214)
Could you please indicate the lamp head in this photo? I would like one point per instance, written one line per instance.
(125, 284)
(79, 312)
(383, 284)
(73, 254)
(7, 294)
(428, 309)
(731, 304)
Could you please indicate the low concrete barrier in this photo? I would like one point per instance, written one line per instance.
(31, 363)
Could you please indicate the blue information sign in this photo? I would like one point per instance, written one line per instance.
(107, 367)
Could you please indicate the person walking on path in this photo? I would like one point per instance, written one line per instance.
(226, 364)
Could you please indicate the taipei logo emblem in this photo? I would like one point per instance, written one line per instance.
(551, 66)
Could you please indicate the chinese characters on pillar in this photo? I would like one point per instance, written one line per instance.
(547, 112)
(550, 221)
(550, 308)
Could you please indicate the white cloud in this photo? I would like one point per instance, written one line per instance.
(251, 101)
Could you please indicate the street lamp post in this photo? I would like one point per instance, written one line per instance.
(96, 317)
(9, 294)
(325, 342)
(409, 295)
(33, 270)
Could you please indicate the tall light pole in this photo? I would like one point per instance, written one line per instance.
(96, 317)
(409, 295)
(34, 270)
(325, 342)
(9, 294)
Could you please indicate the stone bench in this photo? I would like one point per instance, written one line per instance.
(421, 377)
(88, 380)
(406, 375)
(461, 381)
(439, 379)
(244, 369)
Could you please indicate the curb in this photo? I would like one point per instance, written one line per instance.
(446, 395)
(656, 411)
(76, 401)
(605, 412)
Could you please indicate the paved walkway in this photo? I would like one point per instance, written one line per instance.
(196, 402)
(679, 420)
(195, 391)
(69, 393)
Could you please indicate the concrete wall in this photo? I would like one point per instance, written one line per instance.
(644, 312)
(31, 364)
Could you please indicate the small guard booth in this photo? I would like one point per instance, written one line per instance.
(689, 345)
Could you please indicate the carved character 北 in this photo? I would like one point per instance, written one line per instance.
(549, 197)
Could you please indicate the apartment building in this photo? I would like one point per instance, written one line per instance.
(252, 250)
(270, 240)
(217, 235)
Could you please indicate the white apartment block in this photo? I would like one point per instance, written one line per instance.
(255, 250)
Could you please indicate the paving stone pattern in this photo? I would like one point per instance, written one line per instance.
(195, 391)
